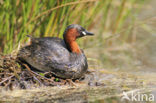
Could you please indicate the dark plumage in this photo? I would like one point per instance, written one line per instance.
(57, 55)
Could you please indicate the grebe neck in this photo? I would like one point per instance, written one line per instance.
(70, 40)
(72, 46)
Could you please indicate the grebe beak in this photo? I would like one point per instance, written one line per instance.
(87, 33)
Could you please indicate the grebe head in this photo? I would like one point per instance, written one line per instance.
(73, 32)
(76, 31)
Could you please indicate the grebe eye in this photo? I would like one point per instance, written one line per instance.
(84, 33)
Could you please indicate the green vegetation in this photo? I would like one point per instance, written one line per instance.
(39, 18)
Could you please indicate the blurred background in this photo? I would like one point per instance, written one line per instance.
(122, 52)
(124, 29)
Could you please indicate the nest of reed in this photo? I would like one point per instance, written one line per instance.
(14, 74)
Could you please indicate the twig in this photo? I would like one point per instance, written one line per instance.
(6, 79)
(37, 80)
(28, 68)
(31, 72)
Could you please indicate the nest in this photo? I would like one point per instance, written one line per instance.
(19, 75)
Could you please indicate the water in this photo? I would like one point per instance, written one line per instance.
(109, 90)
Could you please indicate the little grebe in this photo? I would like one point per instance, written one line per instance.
(61, 57)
